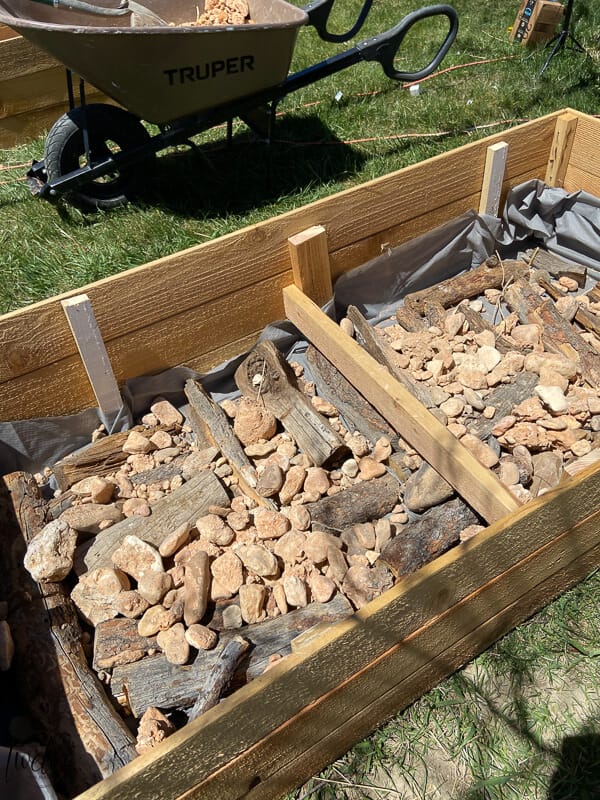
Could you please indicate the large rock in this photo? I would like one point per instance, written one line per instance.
(425, 489)
(49, 555)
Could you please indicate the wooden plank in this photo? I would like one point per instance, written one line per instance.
(493, 178)
(258, 251)
(82, 321)
(560, 152)
(429, 437)
(579, 179)
(309, 255)
(20, 57)
(585, 159)
(234, 730)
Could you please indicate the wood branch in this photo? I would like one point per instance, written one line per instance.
(492, 274)
(504, 398)
(209, 422)
(410, 320)
(558, 335)
(362, 502)
(353, 408)
(98, 458)
(219, 677)
(385, 355)
(279, 392)
(556, 266)
(478, 323)
(117, 641)
(86, 740)
(184, 505)
(155, 682)
(421, 541)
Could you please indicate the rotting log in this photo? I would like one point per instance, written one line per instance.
(419, 542)
(361, 502)
(84, 736)
(183, 506)
(277, 389)
(504, 398)
(219, 677)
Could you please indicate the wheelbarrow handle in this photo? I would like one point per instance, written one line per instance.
(384, 47)
(318, 13)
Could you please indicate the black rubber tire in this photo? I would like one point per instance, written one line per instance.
(110, 129)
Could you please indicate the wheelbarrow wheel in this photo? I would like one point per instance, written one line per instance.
(111, 129)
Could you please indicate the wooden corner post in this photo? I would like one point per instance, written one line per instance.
(493, 177)
(560, 152)
(309, 255)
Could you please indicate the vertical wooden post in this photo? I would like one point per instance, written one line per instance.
(493, 177)
(82, 321)
(310, 264)
(560, 152)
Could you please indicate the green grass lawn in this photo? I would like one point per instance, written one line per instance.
(522, 721)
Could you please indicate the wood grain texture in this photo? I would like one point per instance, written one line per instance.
(560, 152)
(493, 178)
(309, 255)
(548, 535)
(430, 438)
(584, 159)
(254, 266)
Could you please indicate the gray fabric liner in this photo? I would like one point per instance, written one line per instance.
(565, 224)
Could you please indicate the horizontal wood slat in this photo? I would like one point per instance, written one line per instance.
(258, 253)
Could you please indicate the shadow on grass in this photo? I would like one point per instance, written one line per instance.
(215, 179)
(577, 776)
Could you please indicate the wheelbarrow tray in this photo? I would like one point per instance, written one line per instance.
(162, 74)
(283, 727)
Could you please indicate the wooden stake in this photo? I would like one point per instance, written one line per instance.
(493, 177)
(476, 484)
(310, 264)
(560, 152)
(82, 321)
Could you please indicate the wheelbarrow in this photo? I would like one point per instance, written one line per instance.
(182, 77)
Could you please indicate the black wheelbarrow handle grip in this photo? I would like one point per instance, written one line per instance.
(383, 47)
(318, 13)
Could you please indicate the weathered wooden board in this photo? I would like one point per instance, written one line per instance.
(35, 344)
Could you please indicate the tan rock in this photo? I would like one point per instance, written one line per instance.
(214, 529)
(174, 644)
(228, 571)
(338, 566)
(453, 322)
(175, 540)
(270, 524)
(472, 379)
(49, 555)
(257, 559)
(535, 362)
(166, 413)
(153, 729)
(201, 637)
(290, 547)
(383, 449)
(359, 445)
(553, 398)
(323, 406)
(426, 488)
(317, 544)
(95, 595)
(383, 533)
(369, 468)
(196, 586)
(294, 481)
(253, 422)
(101, 490)
(155, 619)
(528, 434)
(270, 480)
(362, 583)
(252, 598)
(316, 481)
(482, 452)
(232, 617)
(321, 588)
(161, 440)
(295, 588)
(508, 471)
(453, 407)
(238, 520)
(470, 531)
(504, 424)
(350, 468)
(87, 518)
(527, 336)
(136, 507)
(299, 517)
(153, 586)
(134, 557)
(137, 443)
(131, 604)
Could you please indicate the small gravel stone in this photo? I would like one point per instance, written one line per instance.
(137, 443)
(369, 468)
(252, 599)
(153, 586)
(232, 617)
(295, 591)
(174, 644)
(228, 571)
(134, 557)
(87, 518)
(95, 595)
(257, 559)
(131, 604)
(214, 529)
(174, 541)
(201, 637)
(270, 524)
(166, 413)
(253, 422)
(153, 728)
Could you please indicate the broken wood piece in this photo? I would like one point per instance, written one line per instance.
(84, 327)
(556, 266)
(429, 437)
(493, 178)
(183, 506)
(504, 398)
(219, 677)
(358, 414)
(408, 319)
(385, 355)
(154, 681)
(309, 255)
(86, 739)
(492, 274)
(277, 388)
(117, 641)
(560, 151)
(209, 422)
(436, 531)
(478, 323)
(587, 320)
(361, 502)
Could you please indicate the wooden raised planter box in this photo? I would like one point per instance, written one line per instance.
(205, 304)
